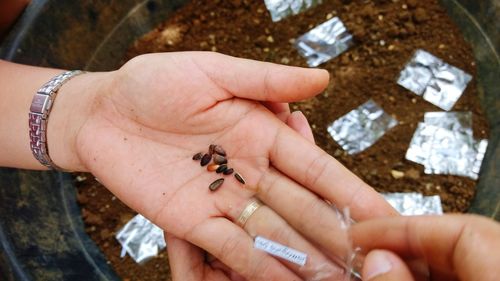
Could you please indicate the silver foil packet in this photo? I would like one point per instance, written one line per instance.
(361, 128)
(444, 144)
(281, 9)
(414, 204)
(440, 83)
(141, 239)
(453, 121)
(324, 42)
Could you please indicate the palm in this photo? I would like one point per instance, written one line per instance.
(146, 139)
(159, 110)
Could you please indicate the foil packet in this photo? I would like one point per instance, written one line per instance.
(324, 42)
(453, 121)
(280, 9)
(141, 239)
(414, 204)
(361, 128)
(438, 82)
(444, 144)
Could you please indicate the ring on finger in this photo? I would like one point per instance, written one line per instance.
(248, 211)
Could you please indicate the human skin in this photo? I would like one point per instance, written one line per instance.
(451, 247)
(190, 263)
(455, 247)
(137, 128)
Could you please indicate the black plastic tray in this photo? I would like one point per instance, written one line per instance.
(41, 231)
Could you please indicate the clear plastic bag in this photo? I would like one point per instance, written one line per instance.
(314, 265)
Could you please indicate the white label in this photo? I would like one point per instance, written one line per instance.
(279, 250)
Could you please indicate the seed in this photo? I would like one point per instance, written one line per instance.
(206, 159)
(219, 150)
(221, 169)
(197, 156)
(228, 171)
(219, 159)
(211, 148)
(216, 184)
(212, 167)
(239, 178)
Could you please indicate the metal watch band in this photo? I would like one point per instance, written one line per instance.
(39, 115)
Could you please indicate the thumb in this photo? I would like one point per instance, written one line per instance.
(381, 265)
(260, 81)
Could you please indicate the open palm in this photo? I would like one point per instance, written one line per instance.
(159, 110)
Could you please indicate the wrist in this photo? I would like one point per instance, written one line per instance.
(72, 108)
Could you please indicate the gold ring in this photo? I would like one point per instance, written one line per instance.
(251, 207)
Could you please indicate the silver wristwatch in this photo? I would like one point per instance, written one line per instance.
(39, 114)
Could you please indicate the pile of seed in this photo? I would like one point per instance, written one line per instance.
(218, 155)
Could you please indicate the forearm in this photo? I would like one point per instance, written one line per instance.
(70, 108)
(19, 84)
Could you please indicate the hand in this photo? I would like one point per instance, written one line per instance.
(456, 247)
(190, 263)
(152, 115)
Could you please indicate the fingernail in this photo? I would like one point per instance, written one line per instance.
(300, 115)
(376, 263)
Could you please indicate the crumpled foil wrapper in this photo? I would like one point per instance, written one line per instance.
(454, 121)
(414, 204)
(440, 83)
(361, 128)
(324, 42)
(444, 144)
(141, 239)
(281, 9)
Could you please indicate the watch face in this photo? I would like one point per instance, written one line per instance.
(40, 101)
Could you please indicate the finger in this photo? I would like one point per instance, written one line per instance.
(277, 107)
(451, 244)
(187, 261)
(318, 221)
(383, 265)
(261, 81)
(233, 276)
(298, 122)
(280, 109)
(321, 173)
(232, 246)
(266, 223)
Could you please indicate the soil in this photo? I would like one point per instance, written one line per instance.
(386, 32)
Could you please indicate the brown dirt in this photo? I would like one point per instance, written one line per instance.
(387, 33)
(104, 215)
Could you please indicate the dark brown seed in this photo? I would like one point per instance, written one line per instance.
(197, 156)
(221, 169)
(218, 159)
(239, 178)
(216, 184)
(228, 171)
(219, 150)
(205, 159)
(212, 167)
(211, 148)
